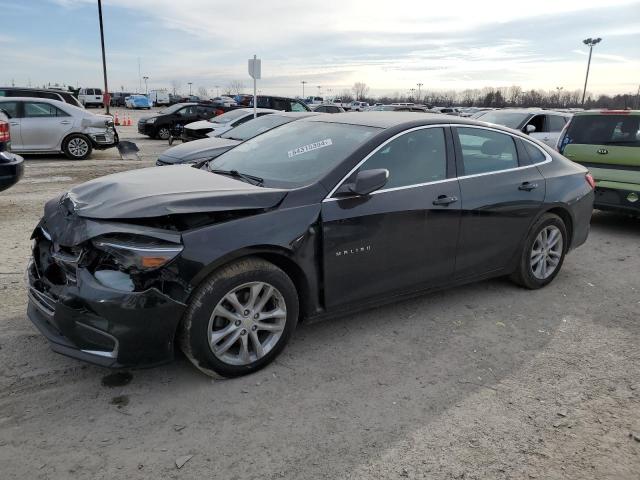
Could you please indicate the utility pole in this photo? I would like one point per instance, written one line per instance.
(146, 87)
(106, 95)
(190, 83)
(638, 98)
(419, 86)
(217, 87)
(303, 84)
(590, 42)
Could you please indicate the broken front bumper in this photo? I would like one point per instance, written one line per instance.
(88, 321)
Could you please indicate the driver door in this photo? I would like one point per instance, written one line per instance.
(401, 237)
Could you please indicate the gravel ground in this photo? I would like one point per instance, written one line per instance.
(485, 381)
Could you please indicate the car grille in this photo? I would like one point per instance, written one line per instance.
(56, 264)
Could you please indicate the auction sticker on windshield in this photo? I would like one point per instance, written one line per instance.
(310, 147)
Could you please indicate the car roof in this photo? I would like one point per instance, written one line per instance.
(31, 89)
(299, 114)
(532, 110)
(250, 110)
(32, 99)
(397, 119)
(608, 112)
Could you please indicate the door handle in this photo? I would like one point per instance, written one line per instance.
(15, 124)
(527, 187)
(65, 122)
(445, 200)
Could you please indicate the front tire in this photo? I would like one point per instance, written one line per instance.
(240, 318)
(163, 133)
(543, 253)
(77, 147)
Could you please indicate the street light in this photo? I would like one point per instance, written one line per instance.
(104, 61)
(190, 83)
(590, 42)
(217, 87)
(419, 86)
(146, 87)
(303, 82)
(319, 89)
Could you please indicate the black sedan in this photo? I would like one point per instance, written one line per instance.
(319, 216)
(162, 124)
(11, 165)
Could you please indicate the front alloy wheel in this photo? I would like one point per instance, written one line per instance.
(163, 133)
(240, 318)
(77, 147)
(247, 323)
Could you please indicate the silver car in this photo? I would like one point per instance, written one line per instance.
(42, 125)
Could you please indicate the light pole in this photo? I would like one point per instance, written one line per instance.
(104, 60)
(217, 87)
(303, 82)
(590, 42)
(190, 83)
(419, 86)
(412, 91)
(559, 90)
(146, 87)
(319, 89)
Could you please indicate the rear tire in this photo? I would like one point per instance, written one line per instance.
(77, 147)
(240, 318)
(542, 254)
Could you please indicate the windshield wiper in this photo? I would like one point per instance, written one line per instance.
(237, 174)
(234, 138)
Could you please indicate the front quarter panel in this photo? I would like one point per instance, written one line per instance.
(288, 232)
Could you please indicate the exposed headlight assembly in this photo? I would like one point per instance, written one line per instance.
(151, 120)
(138, 253)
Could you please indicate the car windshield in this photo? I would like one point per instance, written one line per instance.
(256, 127)
(508, 119)
(295, 155)
(607, 129)
(229, 116)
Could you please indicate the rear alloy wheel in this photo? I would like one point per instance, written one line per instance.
(240, 318)
(543, 253)
(163, 133)
(77, 147)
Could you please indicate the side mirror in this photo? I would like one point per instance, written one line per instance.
(366, 182)
(529, 129)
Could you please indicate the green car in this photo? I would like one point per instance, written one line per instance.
(607, 142)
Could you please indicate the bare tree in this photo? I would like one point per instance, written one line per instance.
(360, 90)
(235, 87)
(202, 92)
(176, 85)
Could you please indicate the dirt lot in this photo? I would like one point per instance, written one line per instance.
(486, 381)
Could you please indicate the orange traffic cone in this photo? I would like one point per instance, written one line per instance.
(129, 121)
(116, 120)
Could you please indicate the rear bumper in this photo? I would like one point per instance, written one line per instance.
(100, 325)
(618, 199)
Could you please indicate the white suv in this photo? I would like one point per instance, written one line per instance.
(359, 106)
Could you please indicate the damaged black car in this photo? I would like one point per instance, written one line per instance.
(314, 218)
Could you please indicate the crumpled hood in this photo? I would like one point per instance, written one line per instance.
(97, 121)
(197, 149)
(170, 190)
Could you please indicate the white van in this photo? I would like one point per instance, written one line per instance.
(159, 97)
(90, 97)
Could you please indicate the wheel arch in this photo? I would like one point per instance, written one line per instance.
(281, 258)
(566, 217)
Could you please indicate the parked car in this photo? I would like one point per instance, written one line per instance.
(138, 101)
(543, 125)
(359, 106)
(446, 111)
(224, 101)
(219, 124)
(162, 123)
(53, 94)
(91, 97)
(283, 104)
(318, 216)
(50, 126)
(327, 108)
(209, 148)
(11, 165)
(159, 97)
(118, 98)
(314, 100)
(607, 142)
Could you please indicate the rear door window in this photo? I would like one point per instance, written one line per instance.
(88, 91)
(485, 151)
(539, 122)
(11, 108)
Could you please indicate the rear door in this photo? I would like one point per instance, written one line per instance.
(402, 236)
(43, 126)
(501, 193)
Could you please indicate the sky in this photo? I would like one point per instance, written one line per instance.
(390, 45)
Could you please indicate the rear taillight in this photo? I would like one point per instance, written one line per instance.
(5, 135)
(590, 180)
